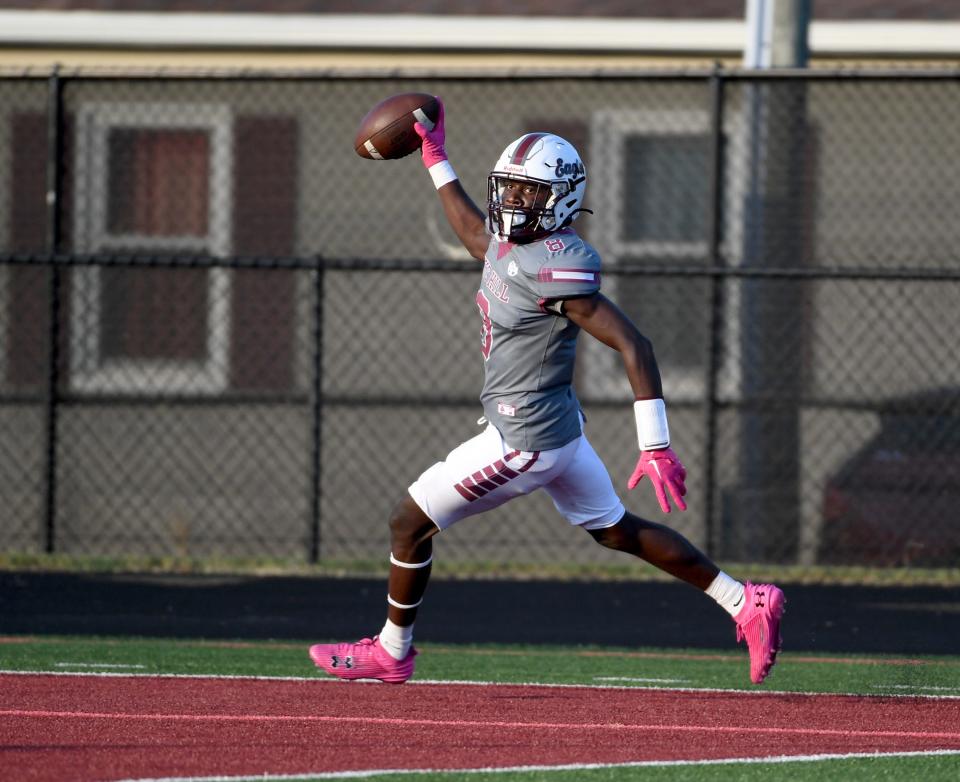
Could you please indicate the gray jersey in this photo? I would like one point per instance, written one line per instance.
(529, 348)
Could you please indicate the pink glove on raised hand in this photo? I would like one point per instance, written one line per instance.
(431, 150)
(666, 472)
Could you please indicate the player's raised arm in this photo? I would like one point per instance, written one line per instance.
(466, 219)
(602, 319)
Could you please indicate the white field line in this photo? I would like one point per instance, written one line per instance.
(638, 679)
(471, 683)
(778, 759)
(99, 665)
(915, 687)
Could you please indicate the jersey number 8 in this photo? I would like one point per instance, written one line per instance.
(486, 327)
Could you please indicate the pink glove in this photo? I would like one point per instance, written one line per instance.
(432, 149)
(666, 472)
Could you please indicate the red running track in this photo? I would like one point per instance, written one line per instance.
(87, 728)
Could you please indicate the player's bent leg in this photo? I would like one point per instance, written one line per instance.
(477, 475)
(758, 621)
(659, 545)
(411, 558)
(410, 529)
(584, 494)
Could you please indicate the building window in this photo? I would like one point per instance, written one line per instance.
(152, 179)
(665, 186)
(650, 189)
(665, 189)
(159, 182)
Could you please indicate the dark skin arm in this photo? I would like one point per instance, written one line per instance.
(601, 318)
(465, 217)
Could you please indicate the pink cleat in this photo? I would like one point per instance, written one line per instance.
(759, 622)
(365, 659)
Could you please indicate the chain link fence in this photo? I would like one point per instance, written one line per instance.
(224, 334)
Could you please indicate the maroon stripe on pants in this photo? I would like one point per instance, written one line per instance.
(489, 477)
(534, 455)
(481, 481)
(505, 471)
(494, 476)
(533, 460)
(463, 492)
(470, 486)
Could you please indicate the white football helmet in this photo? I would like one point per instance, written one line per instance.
(553, 165)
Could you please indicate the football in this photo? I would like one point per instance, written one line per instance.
(387, 133)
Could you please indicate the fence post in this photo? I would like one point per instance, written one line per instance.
(716, 261)
(315, 467)
(53, 239)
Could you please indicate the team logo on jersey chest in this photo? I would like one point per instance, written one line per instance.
(512, 269)
(494, 283)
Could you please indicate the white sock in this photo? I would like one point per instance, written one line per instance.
(396, 639)
(728, 592)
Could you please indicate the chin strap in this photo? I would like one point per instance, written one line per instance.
(570, 216)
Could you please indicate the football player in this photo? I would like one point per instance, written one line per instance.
(539, 287)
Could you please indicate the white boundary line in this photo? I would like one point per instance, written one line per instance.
(471, 683)
(777, 759)
(100, 665)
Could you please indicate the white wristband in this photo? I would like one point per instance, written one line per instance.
(652, 429)
(442, 173)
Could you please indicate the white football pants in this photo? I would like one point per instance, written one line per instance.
(485, 472)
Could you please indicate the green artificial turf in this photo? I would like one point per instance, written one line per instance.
(929, 768)
(721, 669)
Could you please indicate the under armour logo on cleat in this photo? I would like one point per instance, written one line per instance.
(760, 596)
(346, 662)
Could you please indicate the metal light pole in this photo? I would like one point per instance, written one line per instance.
(765, 515)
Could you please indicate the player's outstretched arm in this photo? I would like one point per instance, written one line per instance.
(466, 219)
(601, 318)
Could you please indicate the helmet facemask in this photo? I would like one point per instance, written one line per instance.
(519, 223)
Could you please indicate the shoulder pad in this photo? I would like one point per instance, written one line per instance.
(562, 265)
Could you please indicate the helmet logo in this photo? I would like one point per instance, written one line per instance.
(569, 169)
